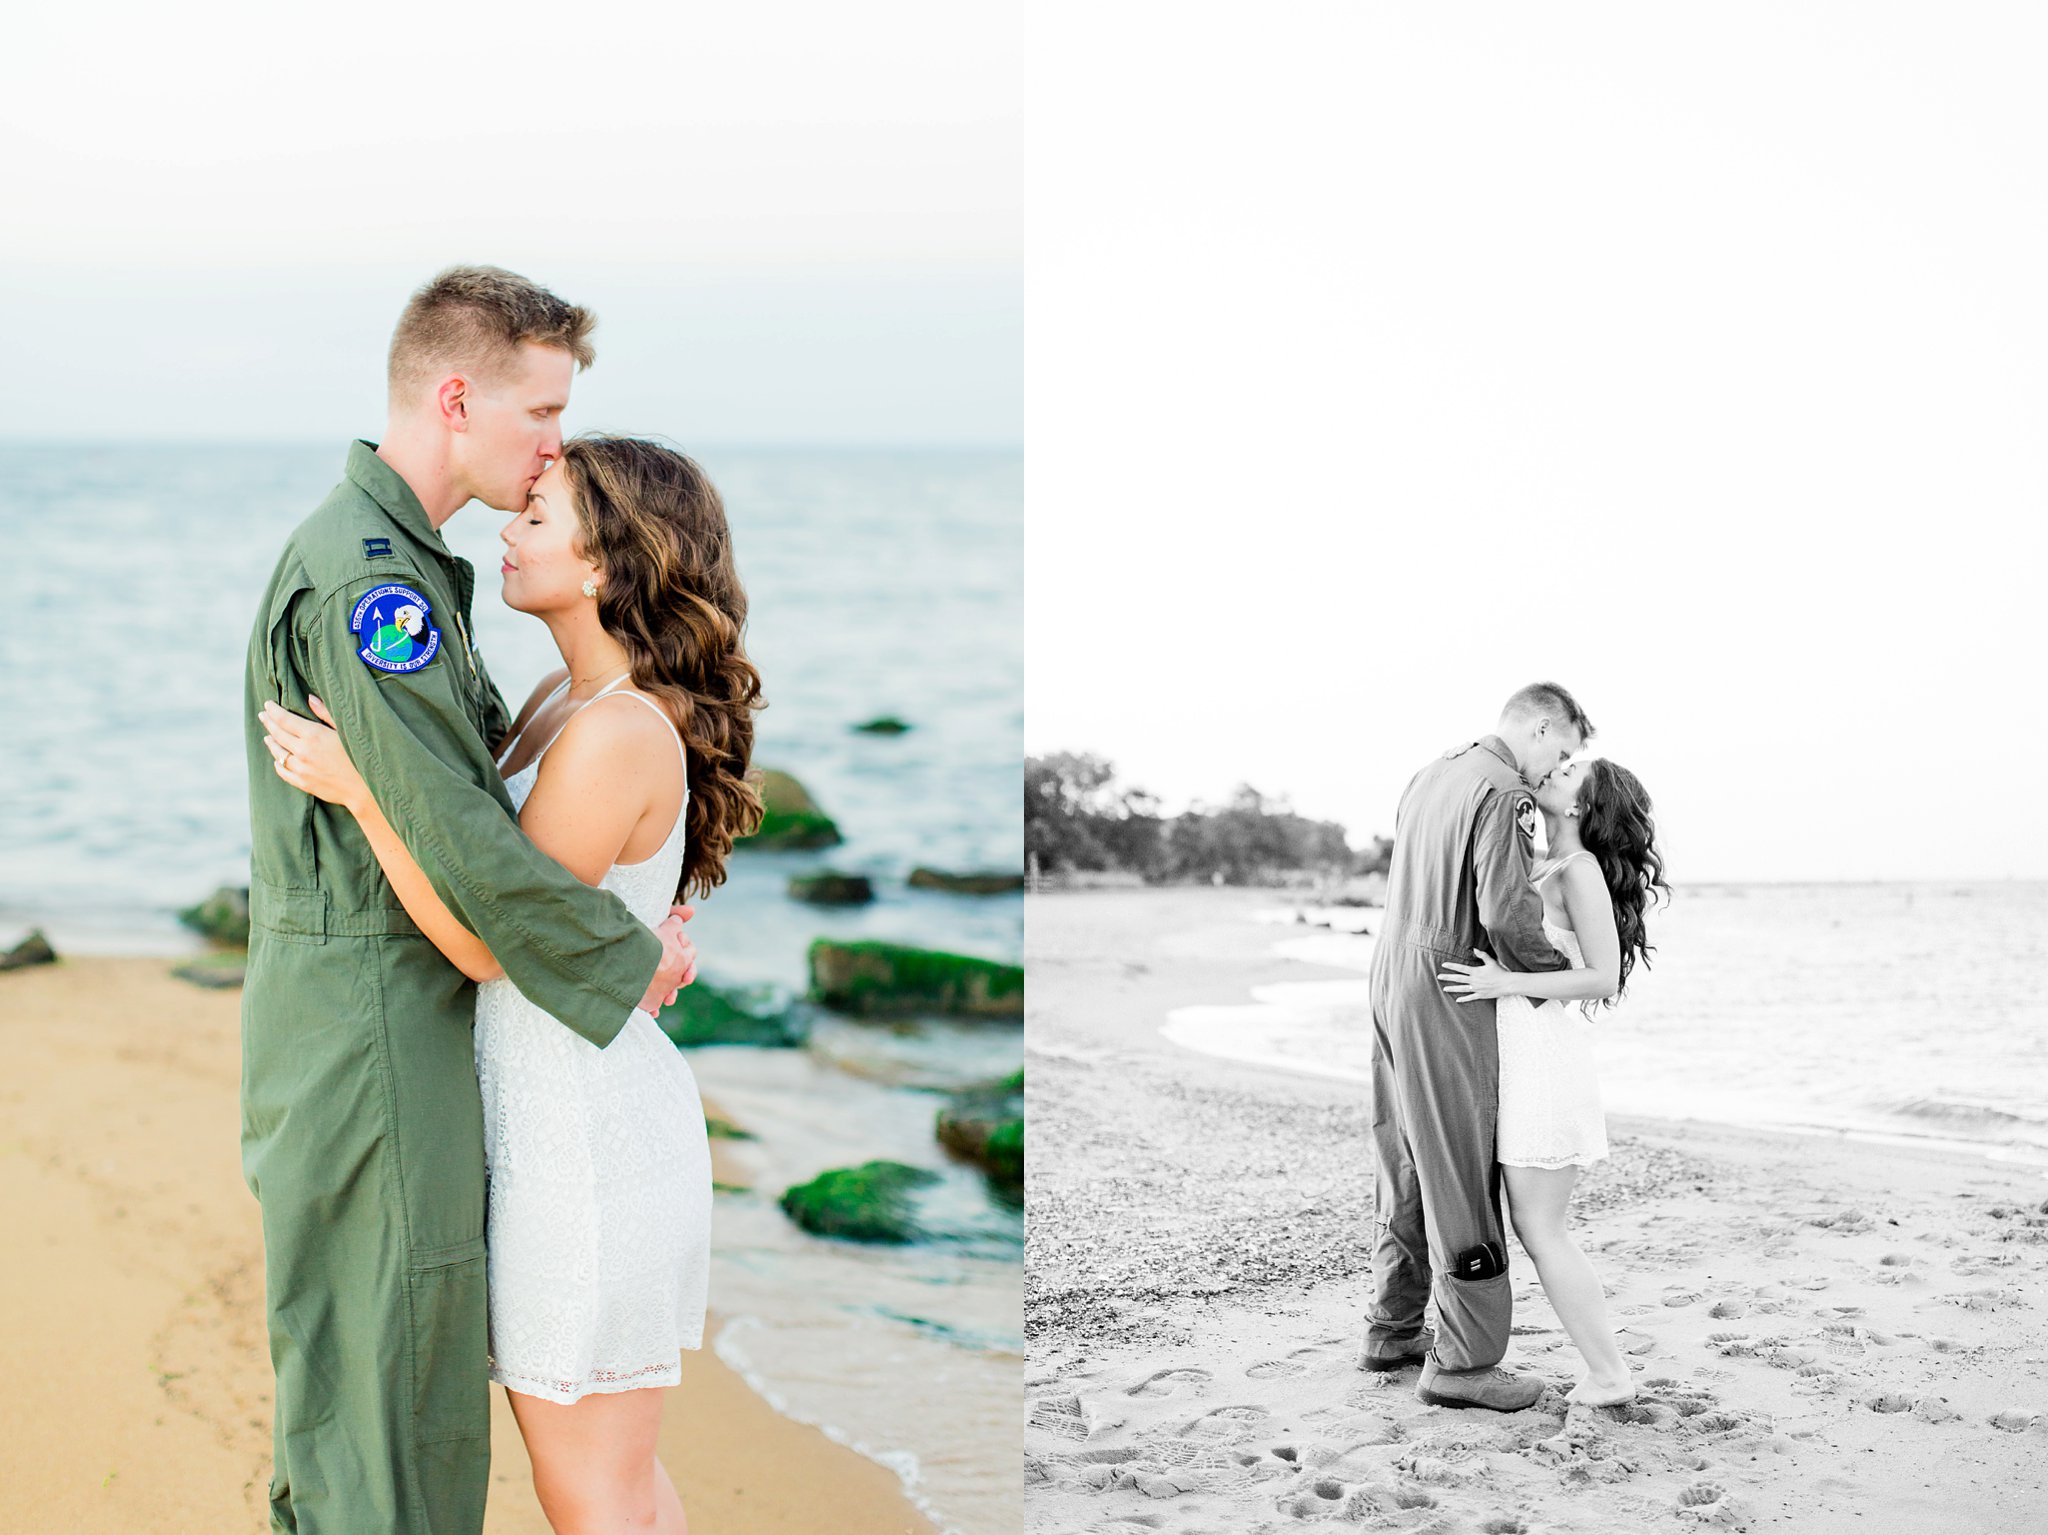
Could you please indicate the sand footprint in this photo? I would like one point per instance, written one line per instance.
(1679, 1295)
(1167, 1382)
(1279, 1369)
(1630, 1341)
(2013, 1421)
(1223, 1422)
(1062, 1415)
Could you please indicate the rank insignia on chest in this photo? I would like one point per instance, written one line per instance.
(376, 548)
(1525, 817)
(391, 629)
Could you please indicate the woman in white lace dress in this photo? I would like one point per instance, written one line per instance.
(627, 765)
(1601, 872)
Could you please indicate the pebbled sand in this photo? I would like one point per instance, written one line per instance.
(1828, 1335)
(131, 1325)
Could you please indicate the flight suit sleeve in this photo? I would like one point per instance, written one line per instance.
(1510, 910)
(572, 949)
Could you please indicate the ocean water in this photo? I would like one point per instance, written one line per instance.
(880, 583)
(1907, 1011)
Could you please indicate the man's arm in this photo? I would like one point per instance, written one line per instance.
(1510, 910)
(575, 951)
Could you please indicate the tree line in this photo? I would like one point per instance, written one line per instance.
(1079, 818)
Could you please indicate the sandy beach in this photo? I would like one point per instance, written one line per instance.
(1829, 1334)
(139, 1382)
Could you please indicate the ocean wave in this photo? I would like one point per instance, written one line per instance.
(1955, 1112)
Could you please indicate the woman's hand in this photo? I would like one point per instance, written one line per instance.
(1482, 982)
(308, 756)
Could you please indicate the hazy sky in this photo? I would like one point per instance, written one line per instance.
(796, 222)
(1697, 359)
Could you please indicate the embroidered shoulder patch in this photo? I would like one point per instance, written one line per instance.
(391, 629)
(376, 548)
(1525, 817)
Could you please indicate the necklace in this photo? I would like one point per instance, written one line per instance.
(576, 682)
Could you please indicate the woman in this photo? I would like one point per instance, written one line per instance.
(1600, 874)
(627, 766)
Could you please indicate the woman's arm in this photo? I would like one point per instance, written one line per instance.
(1592, 913)
(310, 758)
(462, 948)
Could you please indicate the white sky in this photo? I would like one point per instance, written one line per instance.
(797, 222)
(1386, 358)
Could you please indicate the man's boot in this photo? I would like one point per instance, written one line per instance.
(1492, 1388)
(1394, 1351)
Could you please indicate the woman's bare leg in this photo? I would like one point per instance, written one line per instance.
(1537, 1197)
(595, 1469)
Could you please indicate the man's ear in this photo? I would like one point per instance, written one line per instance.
(453, 399)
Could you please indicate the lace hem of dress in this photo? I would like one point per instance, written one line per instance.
(1552, 1164)
(599, 1382)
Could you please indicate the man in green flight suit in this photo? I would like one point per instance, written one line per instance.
(362, 1127)
(1460, 878)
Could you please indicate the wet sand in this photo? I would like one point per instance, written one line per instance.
(1827, 1334)
(138, 1393)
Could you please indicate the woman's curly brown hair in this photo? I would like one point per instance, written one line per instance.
(1616, 826)
(652, 521)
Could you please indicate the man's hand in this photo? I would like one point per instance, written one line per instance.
(678, 966)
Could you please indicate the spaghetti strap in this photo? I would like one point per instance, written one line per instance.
(657, 708)
(1568, 858)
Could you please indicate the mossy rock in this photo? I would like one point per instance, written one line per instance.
(1006, 1153)
(33, 950)
(222, 916)
(891, 979)
(886, 725)
(828, 887)
(791, 820)
(992, 882)
(985, 1124)
(869, 1203)
(215, 972)
(708, 1015)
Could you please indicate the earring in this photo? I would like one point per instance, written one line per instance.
(590, 588)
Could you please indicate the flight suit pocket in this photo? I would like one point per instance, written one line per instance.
(450, 1325)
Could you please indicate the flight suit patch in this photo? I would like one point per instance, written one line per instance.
(376, 548)
(1525, 817)
(391, 629)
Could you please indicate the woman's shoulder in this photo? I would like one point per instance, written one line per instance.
(614, 740)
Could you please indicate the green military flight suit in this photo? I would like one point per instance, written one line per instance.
(362, 1128)
(1460, 879)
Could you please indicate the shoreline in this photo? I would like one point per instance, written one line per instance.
(1827, 1333)
(139, 1256)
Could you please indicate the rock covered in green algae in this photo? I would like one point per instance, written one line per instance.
(828, 887)
(216, 972)
(991, 882)
(32, 950)
(886, 725)
(869, 1203)
(790, 818)
(884, 979)
(985, 1124)
(704, 1014)
(222, 916)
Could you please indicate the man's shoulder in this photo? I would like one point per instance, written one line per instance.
(348, 542)
(1469, 772)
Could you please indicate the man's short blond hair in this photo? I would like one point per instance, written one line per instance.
(473, 319)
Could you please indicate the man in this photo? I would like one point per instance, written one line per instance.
(362, 1132)
(1463, 841)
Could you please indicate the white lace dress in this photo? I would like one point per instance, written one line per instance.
(599, 1173)
(1550, 1114)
